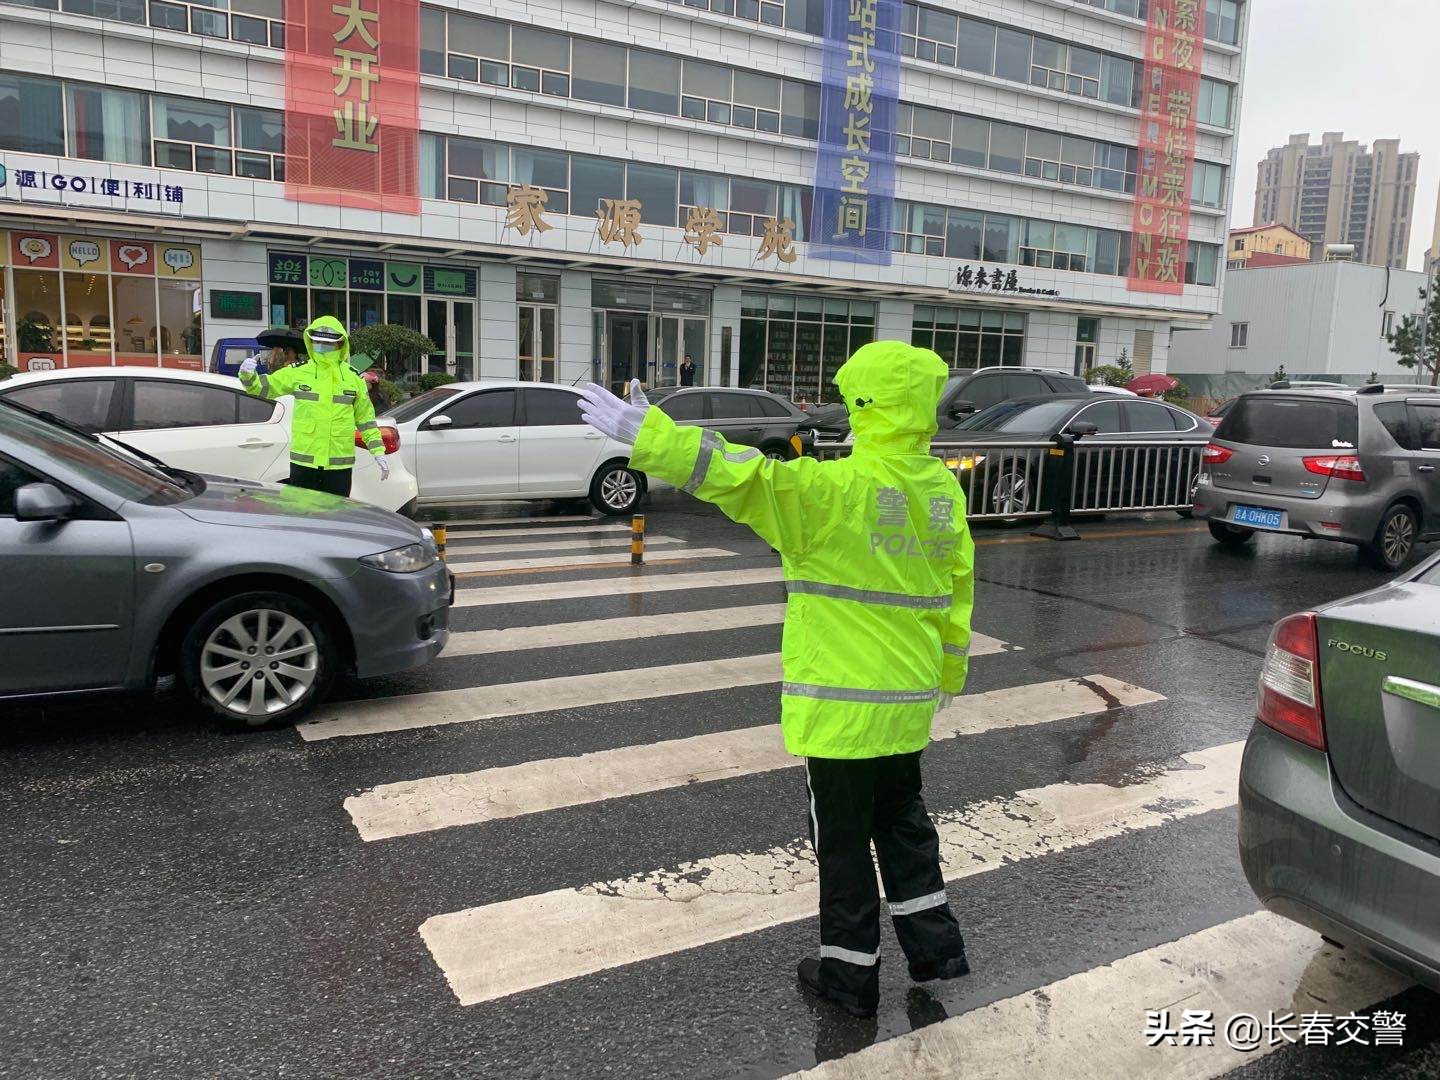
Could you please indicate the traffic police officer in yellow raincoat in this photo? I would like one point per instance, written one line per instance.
(331, 405)
(879, 567)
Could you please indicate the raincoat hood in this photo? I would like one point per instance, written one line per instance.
(340, 355)
(892, 391)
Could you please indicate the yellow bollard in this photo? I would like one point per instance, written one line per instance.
(637, 540)
(438, 531)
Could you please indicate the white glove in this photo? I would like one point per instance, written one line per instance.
(248, 366)
(610, 415)
(943, 701)
(383, 466)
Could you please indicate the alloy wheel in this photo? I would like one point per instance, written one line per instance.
(1398, 539)
(1010, 494)
(259, 662)
(619, 489)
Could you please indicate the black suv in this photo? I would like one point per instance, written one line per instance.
(969, 393)
(748, 417)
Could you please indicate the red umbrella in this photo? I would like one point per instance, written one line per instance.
(1152, 385)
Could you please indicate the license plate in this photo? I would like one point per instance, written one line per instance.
(1257, 516)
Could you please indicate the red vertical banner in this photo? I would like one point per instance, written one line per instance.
(1169, 102)
(352, 103)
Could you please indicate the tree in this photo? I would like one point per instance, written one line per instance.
(1107, 375)
(396, 348)
(1278, 375)
(1126, 368)
(1416, 341)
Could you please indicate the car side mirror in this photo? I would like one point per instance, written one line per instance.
(441, 421)
(43, 502)
(1083, 428)
(959, 410)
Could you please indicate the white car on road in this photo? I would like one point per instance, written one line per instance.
(197, 422)
(504, 440)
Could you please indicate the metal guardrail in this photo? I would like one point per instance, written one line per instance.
(1055, 478)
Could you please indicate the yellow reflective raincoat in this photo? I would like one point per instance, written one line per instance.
(878, 559)
(331, 403)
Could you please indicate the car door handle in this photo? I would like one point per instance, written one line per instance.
(593, 435)
(506, 438)
(255, 444)
(1425, 468)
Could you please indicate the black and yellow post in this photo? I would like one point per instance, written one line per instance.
(438, 531)
(637, 540)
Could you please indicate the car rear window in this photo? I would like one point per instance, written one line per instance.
(1291, 423)
(1395, 418)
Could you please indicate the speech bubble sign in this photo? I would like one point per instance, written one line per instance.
(84, 251)
(40, 363)
(133, 255)
(178, 259)
(36, 248)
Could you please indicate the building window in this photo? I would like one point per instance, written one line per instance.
(1087, 337)
(1207, 186)
(32, 115)
(967, 338)
(254, 22)
(792, 344)
(537, 308)
(1201, 263)
(201, 136)
(1222, 21)
(1387, 324)
(1239, 335)
(1214, 103)
(107, 125)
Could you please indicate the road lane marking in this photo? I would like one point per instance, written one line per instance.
(441, 802)
(584, 543)
(589, 631)
(505, 948)
(470, 524)
(1254, 965)
(631, 584)
(581, 560)
(468, 538)
(441, 707)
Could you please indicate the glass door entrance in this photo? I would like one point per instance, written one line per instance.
(627, 339)
(450, 326)
(676, 337)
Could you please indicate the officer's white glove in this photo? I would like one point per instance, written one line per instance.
(383, 466)
(610, 415)
(943, 701)
(249, 364)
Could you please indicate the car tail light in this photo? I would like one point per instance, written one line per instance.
(1340, 466)
(388, 435)
(1215, 455)
(1289, 694)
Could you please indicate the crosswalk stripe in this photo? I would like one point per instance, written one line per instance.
(486, 535)
(472, 524)
(440, 707)
(440, 802)
(630, 584)
(639, 627)
(585, 543)
(504, 948)
(1252, 965)
(583, 560)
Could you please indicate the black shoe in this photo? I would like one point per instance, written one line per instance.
(950, 968)
(809, 973)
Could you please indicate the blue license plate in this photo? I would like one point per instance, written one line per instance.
(1255, 515)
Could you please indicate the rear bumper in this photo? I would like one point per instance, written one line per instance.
(1310, 854)
(403, 619)
(1336, 515)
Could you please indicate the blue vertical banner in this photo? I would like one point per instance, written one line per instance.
(854, 201)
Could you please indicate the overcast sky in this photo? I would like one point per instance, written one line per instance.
(1364, 67)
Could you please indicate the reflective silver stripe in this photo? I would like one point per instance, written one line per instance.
(920, 903)
(301, 459)
(347, 398)
(867, 596)
(343, 460)
(265, 385)
(368, 425)
(709, 443)
(306, 395)
(850, 956)
(958, 650)
(846, 693)
(743, 455)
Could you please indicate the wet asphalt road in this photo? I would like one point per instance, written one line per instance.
(181, 902)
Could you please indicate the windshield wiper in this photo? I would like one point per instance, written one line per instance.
(168, 474)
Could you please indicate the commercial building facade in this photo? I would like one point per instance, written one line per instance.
(1338, 192)
(599, 189)
(1326, 320)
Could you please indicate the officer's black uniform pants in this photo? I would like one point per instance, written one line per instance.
(853, 802)
(334, 481)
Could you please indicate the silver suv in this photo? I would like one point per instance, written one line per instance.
(1359, 466)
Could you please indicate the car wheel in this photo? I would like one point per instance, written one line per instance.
(1394, 539)
(616, 489)
(778, 451)
(1231, 535)
(259, 659)
(1010, 495)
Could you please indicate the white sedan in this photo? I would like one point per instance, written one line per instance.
(506, 440)
(198, 422)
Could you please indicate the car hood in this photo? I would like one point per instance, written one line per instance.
(251, 505)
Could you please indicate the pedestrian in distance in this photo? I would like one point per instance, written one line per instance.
(879, 571)
(687, 371)
(331, 405)
(281, 348)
